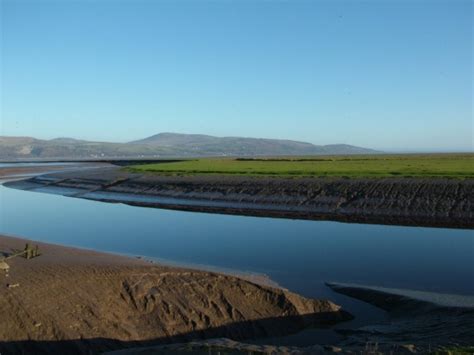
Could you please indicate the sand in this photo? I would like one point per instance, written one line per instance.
(81, 301)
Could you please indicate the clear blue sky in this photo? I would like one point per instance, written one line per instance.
(393, 75)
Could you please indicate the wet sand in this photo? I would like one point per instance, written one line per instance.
(431, 321)
(420, 322)
(16, 171)
(81, 301)
(25, 171)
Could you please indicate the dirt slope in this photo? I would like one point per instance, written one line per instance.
(434, 202)
(108, 302)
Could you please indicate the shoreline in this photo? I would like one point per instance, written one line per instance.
(254, 277)
(410, 318)
(399, 296)
(431, 321)
(443, 203)
(18, 171)
(84, 301)
(112, 302)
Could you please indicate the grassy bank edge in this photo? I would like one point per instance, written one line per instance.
(457, 166)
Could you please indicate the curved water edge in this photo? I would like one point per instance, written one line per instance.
(436, 202)
(438, 300)
(22, 170)
(299, 255)
(427, 319)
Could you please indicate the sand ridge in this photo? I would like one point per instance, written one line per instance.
(111, 302)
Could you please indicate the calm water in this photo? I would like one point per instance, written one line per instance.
(33, 164)
(299, 255)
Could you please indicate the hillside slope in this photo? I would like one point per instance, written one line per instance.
(164, 145)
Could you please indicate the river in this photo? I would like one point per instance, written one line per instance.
(299, 255)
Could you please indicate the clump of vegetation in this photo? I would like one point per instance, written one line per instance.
(468, 350)
(427, 165)
(31, 252)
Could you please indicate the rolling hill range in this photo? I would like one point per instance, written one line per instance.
(164, 145)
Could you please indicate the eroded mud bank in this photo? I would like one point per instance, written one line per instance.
(429, 202)
(430, 320)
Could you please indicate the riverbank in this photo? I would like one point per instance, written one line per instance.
(420, 322)
(80, 301)
(19, 170)
(432, 321)
(430, 202)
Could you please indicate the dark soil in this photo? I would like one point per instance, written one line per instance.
(431, 202)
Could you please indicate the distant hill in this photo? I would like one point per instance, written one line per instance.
(246, 146)
(173, 139)
(165, 145)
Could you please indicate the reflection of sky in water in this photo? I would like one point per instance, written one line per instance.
(31, 164)
(298, 254)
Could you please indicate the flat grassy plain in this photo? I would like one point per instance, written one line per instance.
(427, 165)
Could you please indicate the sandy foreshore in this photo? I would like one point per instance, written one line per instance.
(432, 202)
(79, 301)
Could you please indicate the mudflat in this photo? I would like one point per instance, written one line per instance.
(432, 321)
(70, 300)
(431, 202)
(24, 171)
(13, 171)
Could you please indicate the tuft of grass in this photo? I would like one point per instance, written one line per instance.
(427, 165)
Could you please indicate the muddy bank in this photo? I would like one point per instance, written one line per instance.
(228, 346)
(420, 322)
(78, 301)
(16, 171)
(429, 202)
(432, 321)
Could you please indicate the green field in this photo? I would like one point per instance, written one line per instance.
(429, 165)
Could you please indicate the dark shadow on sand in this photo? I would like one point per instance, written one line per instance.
(276, 326)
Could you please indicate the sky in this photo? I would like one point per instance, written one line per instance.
(394, 75)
